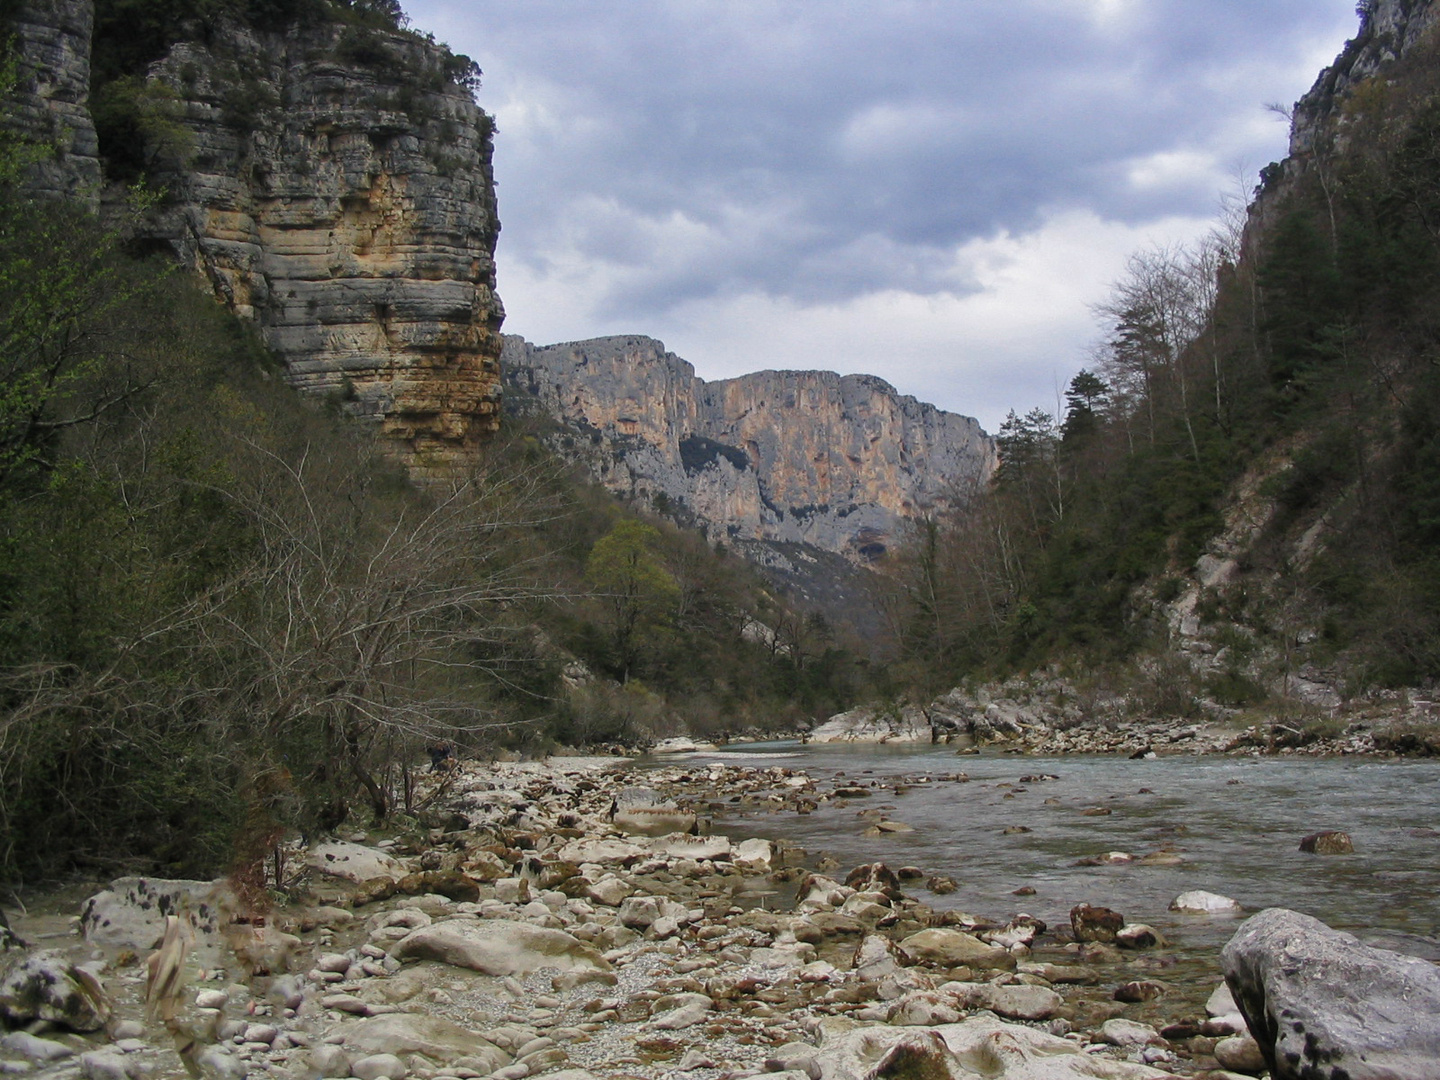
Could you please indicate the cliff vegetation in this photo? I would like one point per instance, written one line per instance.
(227, 613)
(1240, 496)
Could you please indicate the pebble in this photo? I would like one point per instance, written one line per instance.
(1240, 1053)
(375, 1066)
(212, 999)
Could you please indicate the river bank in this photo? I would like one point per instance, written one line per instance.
(561, 919)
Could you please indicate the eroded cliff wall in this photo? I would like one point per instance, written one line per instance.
(331, 182)
(52, 94)
(1390, 31)
(811, 457)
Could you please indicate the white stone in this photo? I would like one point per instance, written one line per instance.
(600, 851)
(610, 891)
(499, 947)
(1200, 902)
(355, 862)
(753, 854)
(685, 846)
(1221, 1002)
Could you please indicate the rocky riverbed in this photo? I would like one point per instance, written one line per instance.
(570, 920)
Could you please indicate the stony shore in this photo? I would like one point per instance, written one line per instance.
(1385, 735)
(553, 919)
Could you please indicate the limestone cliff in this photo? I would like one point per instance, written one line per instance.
(52, 93)
(809, 457)
(1390, 30)
(333, 183)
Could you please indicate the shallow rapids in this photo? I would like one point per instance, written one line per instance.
(1236, 824)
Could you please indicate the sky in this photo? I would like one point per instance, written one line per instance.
(938, 192)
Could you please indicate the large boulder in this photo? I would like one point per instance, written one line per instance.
(982, 1045)
(871, 725)
(130, 914)
(954, 948)
(1323, 1005)
(354, 862)
(498, 947)
(43, 985)
(440, 1040)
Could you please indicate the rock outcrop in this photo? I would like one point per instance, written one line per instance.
(812, 457)
(869, 724)
(331, 182)
(51, 102)
(354, 221)
(1389, 30)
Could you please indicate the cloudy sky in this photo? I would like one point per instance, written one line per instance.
(933, 191)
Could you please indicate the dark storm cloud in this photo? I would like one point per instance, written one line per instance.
(911, 126)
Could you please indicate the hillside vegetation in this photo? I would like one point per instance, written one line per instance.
(226, 616)
(1294, 357)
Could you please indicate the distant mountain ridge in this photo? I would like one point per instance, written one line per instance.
(835, 462)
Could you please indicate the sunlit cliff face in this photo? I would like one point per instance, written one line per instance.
(840, 462)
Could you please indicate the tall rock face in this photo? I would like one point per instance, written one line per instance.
(1390, 30)
(834, 462)
(331, 182)
(52, 96)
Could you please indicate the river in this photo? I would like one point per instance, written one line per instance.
(1235, 822)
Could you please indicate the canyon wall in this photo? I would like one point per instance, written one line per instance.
(837, 462)
(50, 105)
(331, 182)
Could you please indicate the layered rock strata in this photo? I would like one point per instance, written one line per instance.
(332, 183)
(354, 221)
(839, 462)
(51, 99)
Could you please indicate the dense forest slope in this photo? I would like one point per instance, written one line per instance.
(1237, 506)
